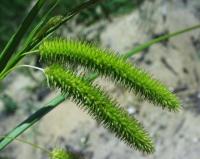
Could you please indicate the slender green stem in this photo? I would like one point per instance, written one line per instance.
(139, 48)
(19, 66)
(33, 67)
(28, 143)
(30, 52)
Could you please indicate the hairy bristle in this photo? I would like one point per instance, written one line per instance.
(106, 63)
(101, 107)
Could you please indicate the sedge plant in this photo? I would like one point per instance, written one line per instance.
(60, 55)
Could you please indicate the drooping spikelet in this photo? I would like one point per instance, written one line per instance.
(106, 63)
(101, 107)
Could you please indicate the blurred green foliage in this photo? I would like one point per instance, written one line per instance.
(104, 9)
(10, 106)
(1, 157)
(13, 11)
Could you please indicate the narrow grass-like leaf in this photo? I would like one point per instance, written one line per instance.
(101, 107)
(47, 34)
(67, 17)
(35, 117)
(27, 143)
(51, 23)
(107, 63)
(146, 45)
(38, 35)
(17, 37)
(40, 26)
(32, 119)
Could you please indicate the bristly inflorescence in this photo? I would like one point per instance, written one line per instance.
(107, 63)
(92, 99)
(61, 154)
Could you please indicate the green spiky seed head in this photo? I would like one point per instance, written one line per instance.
(105, 110)
(107, 63)
(60, 154)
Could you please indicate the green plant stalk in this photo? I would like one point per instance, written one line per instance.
(28, 143)
(47, 34)
(32, 119)
(139, 48)
(15, 40)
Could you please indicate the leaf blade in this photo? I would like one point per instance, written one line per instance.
(15, 40)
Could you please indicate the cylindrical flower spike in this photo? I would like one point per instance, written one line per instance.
(101, 107)
(107, 63)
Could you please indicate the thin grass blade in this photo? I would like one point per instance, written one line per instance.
(47, 34)
(15, 40)
(39, 26)
(146, 45)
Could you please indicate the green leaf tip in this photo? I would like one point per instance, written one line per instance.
(107, 63)
(93, 100)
